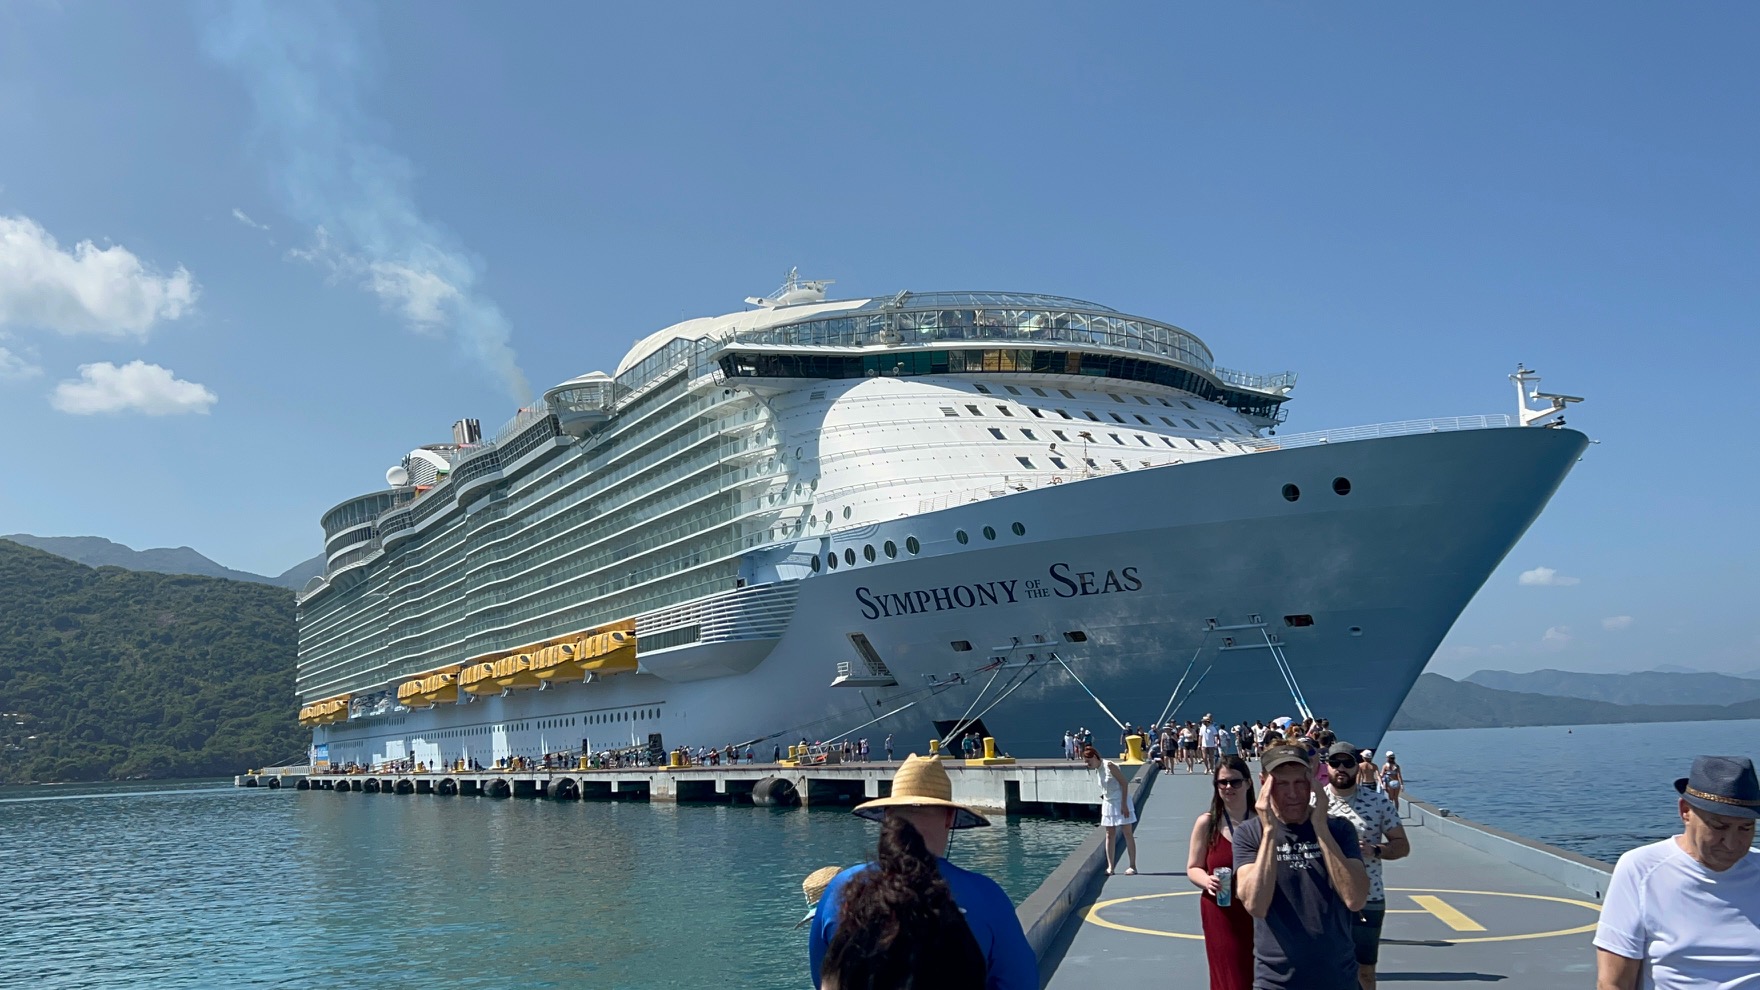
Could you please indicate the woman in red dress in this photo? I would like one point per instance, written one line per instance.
(1228, 931)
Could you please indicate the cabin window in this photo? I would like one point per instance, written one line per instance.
(996, 433)
(981, 389)
(949, 411)
(1025, 462)
(975, 411)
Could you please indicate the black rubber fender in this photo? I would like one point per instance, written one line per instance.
(775, 792)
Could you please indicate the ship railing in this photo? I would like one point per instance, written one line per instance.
(1261, 383)
(761, 612)
(1407, 427)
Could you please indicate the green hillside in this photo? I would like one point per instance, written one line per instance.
(120, 674)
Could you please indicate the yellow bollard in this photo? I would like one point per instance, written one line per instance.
(934, 748)
(989, 759)
(675, 759)
(791, 752)
(1133, 754)
(582, 764)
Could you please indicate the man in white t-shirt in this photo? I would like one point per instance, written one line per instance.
(1208, 738)
(1685, 912)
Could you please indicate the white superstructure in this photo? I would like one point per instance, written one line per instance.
(894, 513)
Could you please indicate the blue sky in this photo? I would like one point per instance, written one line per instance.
(250, 255)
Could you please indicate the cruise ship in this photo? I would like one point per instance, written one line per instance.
(909, 515)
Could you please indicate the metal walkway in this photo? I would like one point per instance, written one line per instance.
(1456, 914)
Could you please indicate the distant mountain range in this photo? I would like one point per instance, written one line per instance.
(95, 551)
(1438, 702)
(1648, 687)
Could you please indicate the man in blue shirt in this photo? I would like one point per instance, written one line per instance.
(922, 795)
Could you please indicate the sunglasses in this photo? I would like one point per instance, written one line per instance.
(1231, 781)
(1342, 763)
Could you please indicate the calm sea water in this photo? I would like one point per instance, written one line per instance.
(207, 885)
(1597, 790)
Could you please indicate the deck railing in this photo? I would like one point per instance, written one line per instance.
(1407, 427)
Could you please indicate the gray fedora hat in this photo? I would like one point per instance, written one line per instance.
(1722, 785)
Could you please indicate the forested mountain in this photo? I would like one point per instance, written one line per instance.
(95, 551)
(1648, 687)
(111, 673)
(1437, 702)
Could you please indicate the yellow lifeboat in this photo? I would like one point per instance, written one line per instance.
(440, 689)
(434, 689)
(515, 672)
(479, 679)
(609, 652)
(556, 661)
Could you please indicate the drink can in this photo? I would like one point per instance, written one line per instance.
(1224, 886)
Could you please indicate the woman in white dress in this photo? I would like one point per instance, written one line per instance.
(1115, 809)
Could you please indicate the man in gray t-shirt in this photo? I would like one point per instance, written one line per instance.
(1300, 874)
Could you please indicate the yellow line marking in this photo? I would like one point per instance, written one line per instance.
(1450, 916)
(1092, 914)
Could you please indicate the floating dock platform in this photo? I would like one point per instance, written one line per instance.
(1472, 904)
(1050, 788)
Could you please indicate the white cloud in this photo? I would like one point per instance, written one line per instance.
(244, 218)
(137, 386)
(1614, 623)
(1556, 638)
(1546, 577)
(106, 291)
(418, 294)
(14, 367)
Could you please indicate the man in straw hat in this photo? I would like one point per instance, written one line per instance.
(1685, 912)
(922, 795)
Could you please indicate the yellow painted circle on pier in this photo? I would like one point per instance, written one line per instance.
(1091, 914)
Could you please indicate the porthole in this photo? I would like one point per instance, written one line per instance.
(989, 532)
(1291, 493)
(846, 512)
(831, 560)
(849, 556)
(868, 552)
(815, 563)
(1356, 630)
(1341, 485)
(911, 544)
(891, 549)
(960, 535)
(1020, 529)
(828, 515)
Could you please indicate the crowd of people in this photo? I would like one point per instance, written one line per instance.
(1287, 860)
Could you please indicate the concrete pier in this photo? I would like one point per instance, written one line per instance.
(1028, 787)
(1472, 904)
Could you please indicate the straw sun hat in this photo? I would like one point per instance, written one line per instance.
(814, 888)
(921, 783)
